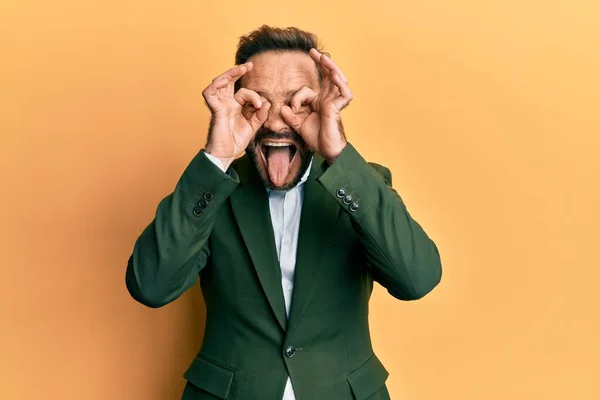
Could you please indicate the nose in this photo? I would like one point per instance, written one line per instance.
(275, 121)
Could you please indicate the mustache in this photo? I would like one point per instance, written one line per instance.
(269, 134)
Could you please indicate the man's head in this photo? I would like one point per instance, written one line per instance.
(281, 66)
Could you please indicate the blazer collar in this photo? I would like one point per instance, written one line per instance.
(250, 204)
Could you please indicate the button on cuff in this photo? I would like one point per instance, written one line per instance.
(208, 196)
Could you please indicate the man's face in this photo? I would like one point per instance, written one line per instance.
(278, 152)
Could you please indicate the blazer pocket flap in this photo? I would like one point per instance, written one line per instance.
(368, 378)
(208, 375)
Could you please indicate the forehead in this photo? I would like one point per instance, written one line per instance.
(276, 72)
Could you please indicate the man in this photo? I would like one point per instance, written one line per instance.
(286, 240)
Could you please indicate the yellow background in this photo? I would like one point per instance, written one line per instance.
(487, 113)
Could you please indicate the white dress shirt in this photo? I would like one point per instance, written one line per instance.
(285, 208)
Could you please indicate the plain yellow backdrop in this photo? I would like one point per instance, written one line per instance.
(487, 113)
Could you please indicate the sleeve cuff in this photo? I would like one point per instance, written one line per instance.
(205, 187)
(215, 161)
(356, 185)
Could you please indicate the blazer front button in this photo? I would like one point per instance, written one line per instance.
(347, 200)
(290, 351)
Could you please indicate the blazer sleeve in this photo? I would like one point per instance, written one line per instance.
(400, 255)
(173, 248)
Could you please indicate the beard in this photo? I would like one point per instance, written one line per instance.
(281, 159)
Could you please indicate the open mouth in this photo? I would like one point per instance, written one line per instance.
(278, 157)
(270, 148)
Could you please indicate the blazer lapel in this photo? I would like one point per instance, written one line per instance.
(250, 204)
(319, 213)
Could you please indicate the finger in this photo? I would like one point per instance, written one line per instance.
(315, 55)
(225, 80)
(228, 77)
(332, 67)
(260, 116)
(233, 74)
(329, 89)
(327, 63)
(244, 96)
(292, 119)
(303, 96)
(345, 96)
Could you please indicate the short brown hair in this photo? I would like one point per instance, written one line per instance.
(268, 38)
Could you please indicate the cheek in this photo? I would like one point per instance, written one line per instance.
(252, 147)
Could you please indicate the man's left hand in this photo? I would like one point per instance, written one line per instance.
(316, 115)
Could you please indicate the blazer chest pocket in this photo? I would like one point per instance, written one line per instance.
(210, 376)
(368, 378)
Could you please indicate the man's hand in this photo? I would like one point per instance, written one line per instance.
(321, 125)
(230, 130)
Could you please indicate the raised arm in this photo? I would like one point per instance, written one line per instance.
(400, 255)
(173, 249)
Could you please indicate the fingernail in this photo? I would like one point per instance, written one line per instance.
(259, 104)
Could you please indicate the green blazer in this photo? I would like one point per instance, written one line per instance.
(217, 227)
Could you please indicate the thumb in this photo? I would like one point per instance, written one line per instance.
(290, 118)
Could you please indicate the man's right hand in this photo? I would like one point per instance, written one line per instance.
(231, 130)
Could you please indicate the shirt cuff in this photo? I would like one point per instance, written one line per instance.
(215, 161)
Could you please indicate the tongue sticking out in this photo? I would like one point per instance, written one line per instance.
(278, 164)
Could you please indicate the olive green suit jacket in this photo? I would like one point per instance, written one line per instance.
(217, 227)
